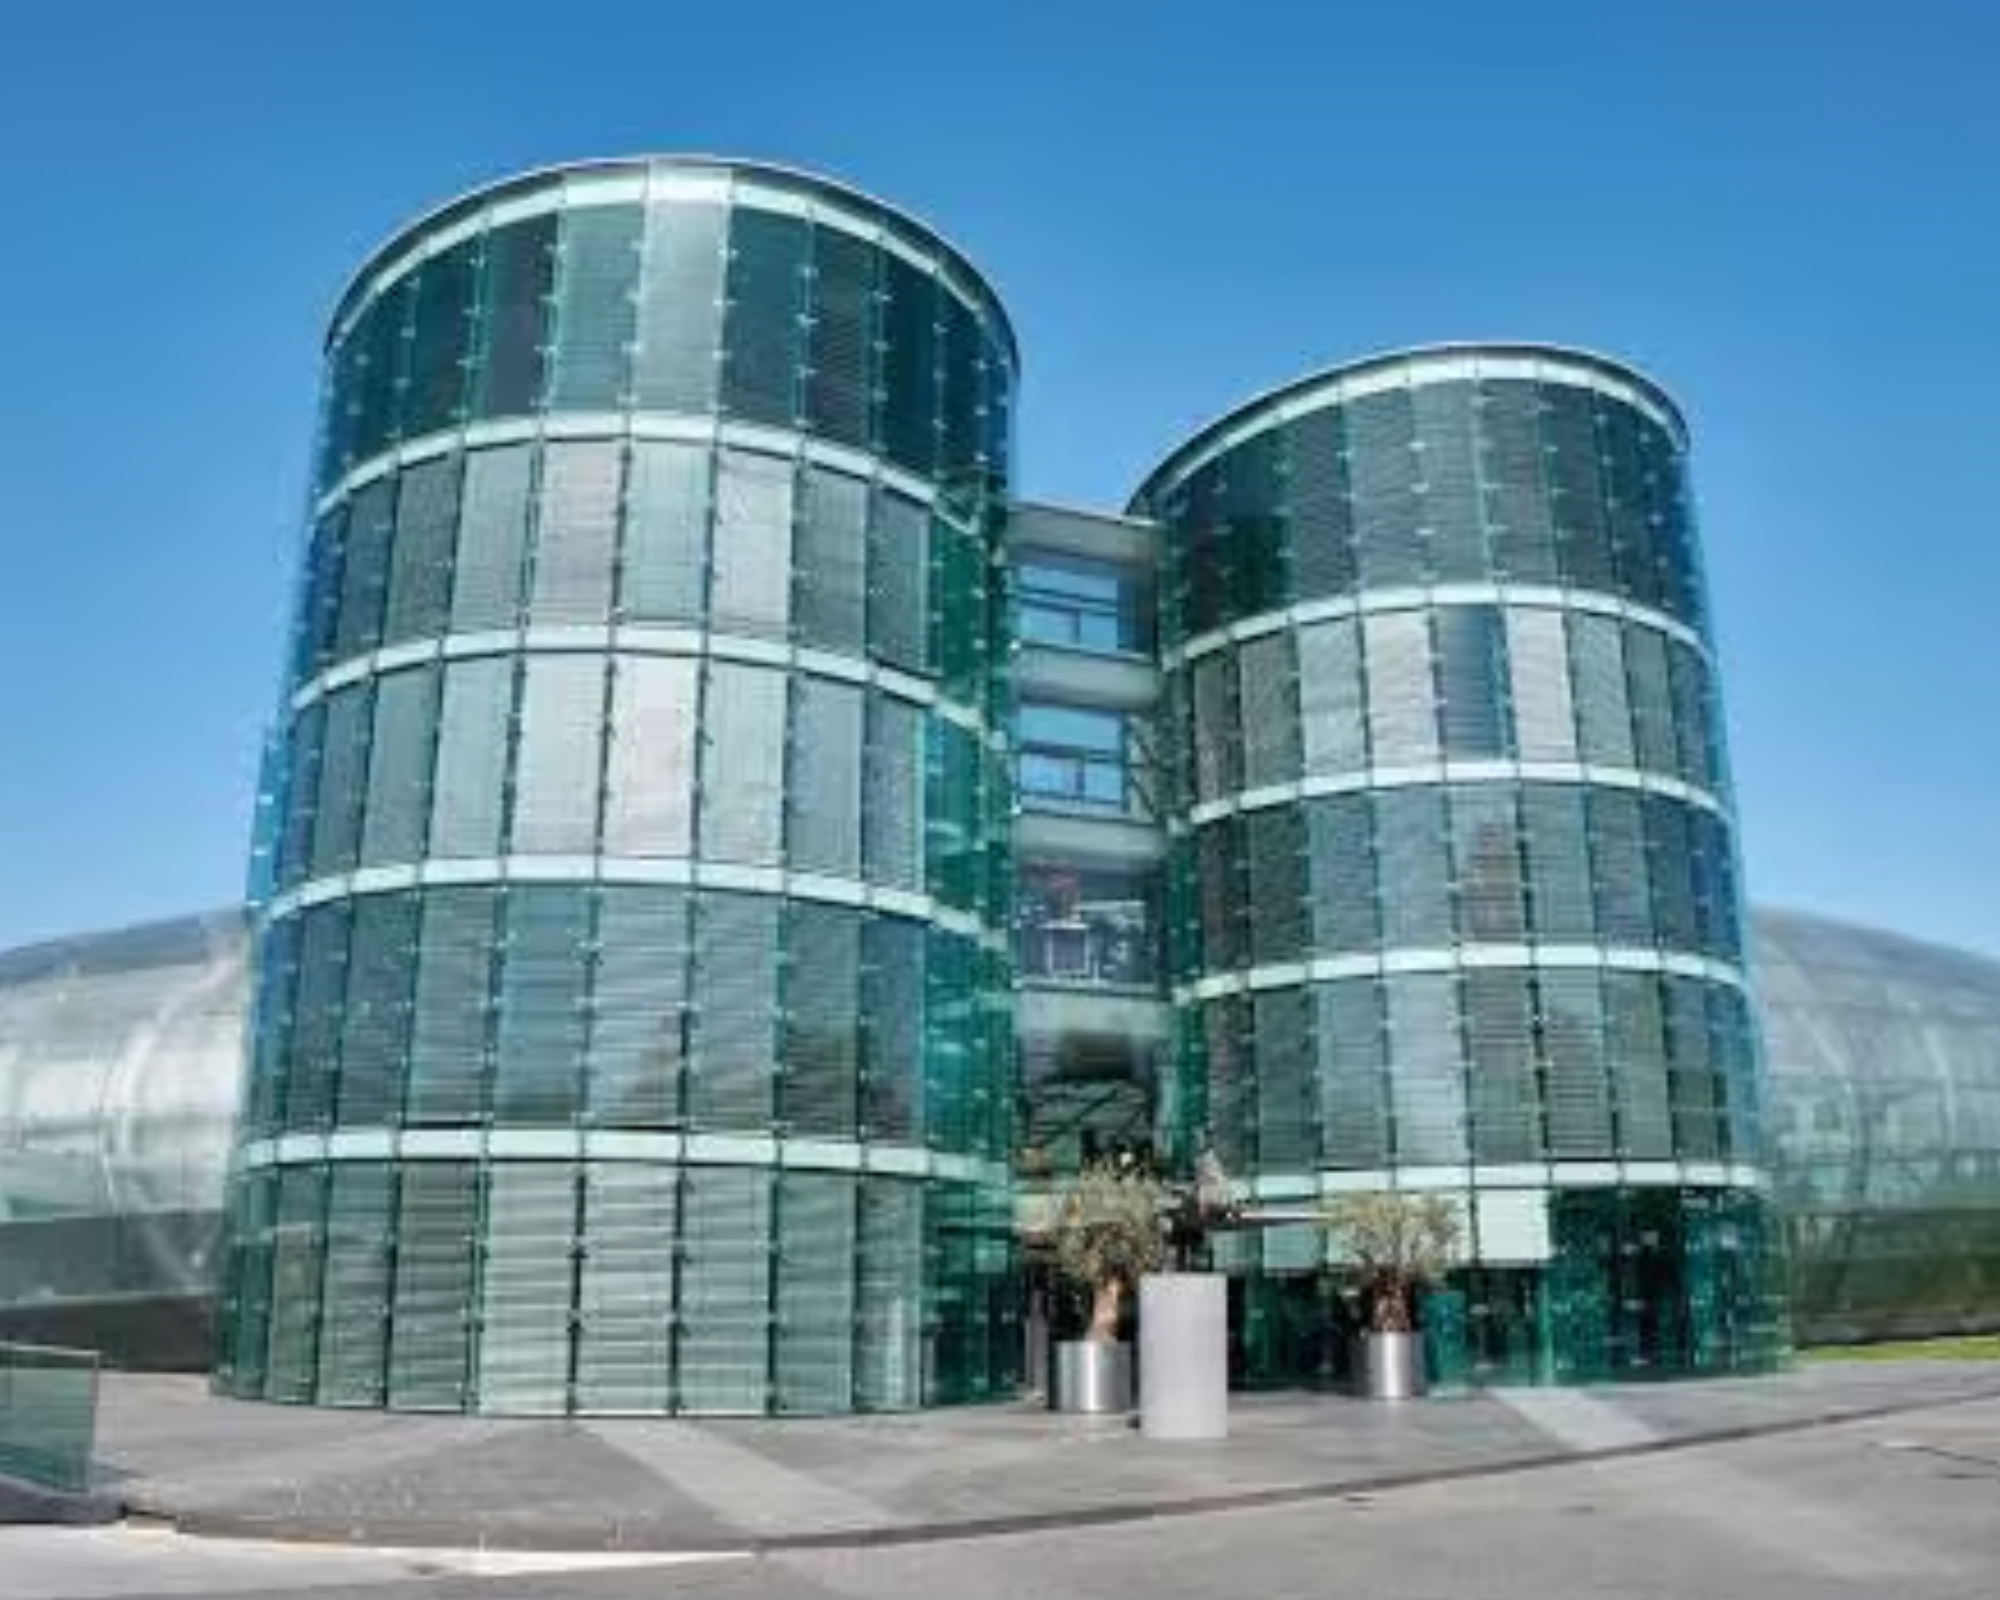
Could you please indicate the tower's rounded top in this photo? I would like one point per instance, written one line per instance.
(1330, 384)
(806, 184)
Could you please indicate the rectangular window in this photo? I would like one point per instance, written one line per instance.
(1597, 673)
(1486, 863)
(899, 566)
(364, 578)
(556, 773)
(1472, 682)
(625, 1303)
(1333, 727)
(343, 780)
(1353, 1084)
(436, 1226)
(743, 772)
(1270, 698)
(1089, 926)
(448, 1043)
(823, 798)
(492, 539)
(1402, 705)
(752, 583)
(470, 791)
(822, 1020)
(664, 568)
(650, 770)
(399, 766)
(840, 342)
(1073, 757)
(833, 557)
(420, 579)
(640, 1008)
(764, 335)
(1428, 1082)
(893, 811)
(1415, 868)
(576, 532)
(597, 268)
(525, 1287)
(1544, 720)
(520, 270)
(538, 1038)
(909, 376)
(1080, 604)
(680, 308)
(736, 999)
(725, 1301)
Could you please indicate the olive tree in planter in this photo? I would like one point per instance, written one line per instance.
(1105, 1236)
(1395, 1245)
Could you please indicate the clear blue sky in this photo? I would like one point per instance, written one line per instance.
(1790, 212)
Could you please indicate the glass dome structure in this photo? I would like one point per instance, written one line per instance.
(119, 1062)
(1884, 1124)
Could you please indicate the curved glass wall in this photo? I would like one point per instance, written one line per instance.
(1884, 1061)
(120, 1060)
(629, 1024)
(1453, 862)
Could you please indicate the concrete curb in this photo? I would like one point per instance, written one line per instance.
(556, 1536)
(24, 1504)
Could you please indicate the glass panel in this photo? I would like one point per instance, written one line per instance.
(520, 270)
(959, 368)
(1333, 726)
(319, 625)
(1556, 839)
(1637, 1052)
(666, 532)
(1415, 873)
(640, 1015)
(446, 303)
(437, 1222)
(742, 780)
(353, 1341)
(1544, 720)
(525, 1288)
(1486, 862)
(892, 1010)
(1270, 698)
(1322, 518)
(832, 561)
(1578, 1091)
(399, 766)
(752, 583)
(1618, 867)
(297, 1257)
(1576, 490)
(576, 532)
(1669, 870)
(625, 1304)
(364, 578)
(1353, 1084)
(735, 998)
(725, 1331)
(1500, 1046)
(1692, 722)
(556, 774)
(764, 335)
(1274, 850)
(1472, 681)
(302, 801)
(384, 349)
(1445, 422)
(680, 307)
(1652, 702)
(454, 1003)
(472, 757)
(1080, 604)
(343, 781)
(1388, 507)
(1287, 1094)
(1341, 893)
(815, 1292)
(597, 270)
(492, 539)
(650, 771)
(379, 1008)
(822, 1020)
(889, 1334)
(1512, 466)
(899, 564)
(1217, 731)
(1427, 1082)
(893, 814)
(420, 582)
(841, 338)
(823, 828)
(1402, 714)
(1597, 671)
(538, 1040)
(909, 366)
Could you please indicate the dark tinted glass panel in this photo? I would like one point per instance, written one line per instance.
(364, 584)
(520, 269)
(1486, 861)
(543, 982)
(1274, 854)
(454, 1006)
(1322, 520)
(899, 582)
(419, 598)
(595, 317)
(764, 335)
(446, 301)
(832, 561)
(909, 370)
(640, 1012)
(1415, 866)
(1353, 1084)
(384, 331)
(1472, 681)
(822, 1020)
(380, 1008)
(1513, 467)
(1385, 469)
(736, 976)
(1576, 491)
(399, 765)
(1342, 886)
(840, 345)
(963, 381)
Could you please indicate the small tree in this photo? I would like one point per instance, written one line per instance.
(1107, 1235)
(1399, 1243)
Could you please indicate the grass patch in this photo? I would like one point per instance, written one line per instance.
(1976, 1347)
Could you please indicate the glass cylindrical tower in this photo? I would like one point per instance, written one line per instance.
(1455, 858)
(628, 1032)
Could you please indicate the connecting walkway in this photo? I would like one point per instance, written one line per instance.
(169, 1451)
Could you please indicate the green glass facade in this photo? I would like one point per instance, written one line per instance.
(1452, 886)
(630, 1028)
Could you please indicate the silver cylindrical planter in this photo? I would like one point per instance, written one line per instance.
(1184, 1355)
(1093, 1377)
(1391, 1366)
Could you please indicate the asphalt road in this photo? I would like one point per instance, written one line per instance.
(1906, 1508)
